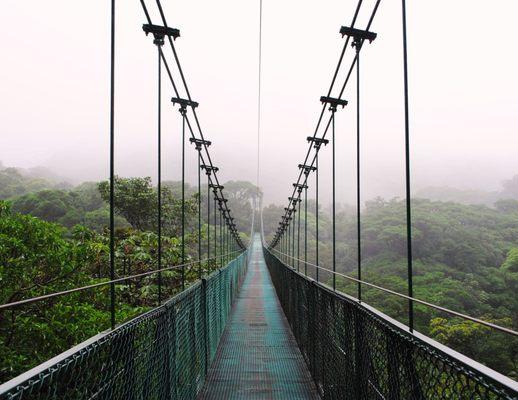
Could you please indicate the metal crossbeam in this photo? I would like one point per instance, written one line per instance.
(159, 32)
(357, 34)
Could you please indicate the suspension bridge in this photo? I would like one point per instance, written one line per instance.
(257, 324)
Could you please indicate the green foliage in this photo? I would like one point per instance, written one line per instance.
(35, 259)
(242, 197)
(14, 183)
(39, 257)
(136, 200)
(465, 259)
(80, 205)
(507, 205)
(500, 352)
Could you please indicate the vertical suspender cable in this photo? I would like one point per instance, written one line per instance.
(407, 174)
(284, 247)
(293, 234)
(112, 166)
(200, 274)
(208, 217)
(159, 183)
(306, 229)
(289, 243)
(358, 188)
(227, 243)
(259, 90)
(221, 235)
(215, 234)
(183, 111)
(298, 239)
(316, 218)
(334, 197)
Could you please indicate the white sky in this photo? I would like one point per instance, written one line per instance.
(54, 99)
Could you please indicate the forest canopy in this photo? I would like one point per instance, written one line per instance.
(54, 236)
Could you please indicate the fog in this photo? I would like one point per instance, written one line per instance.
(54, 102)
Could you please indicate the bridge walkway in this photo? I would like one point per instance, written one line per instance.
(258, 357)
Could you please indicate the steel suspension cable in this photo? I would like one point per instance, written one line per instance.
(305, 229)
(332, 85)
(215, 230)
(180, 70)
(407, 174)
(200, 273)
(358, 165)
(112, 165)
(333, 111)
(142, 2)
(182, 112)
(259, 92)
(293, 230)
(111, 283)
(208, 213)
(159, 183)
(221, 233)
(317, 261)
(188, 94)
(298, 238)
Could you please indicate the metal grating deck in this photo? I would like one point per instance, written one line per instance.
(258, 357)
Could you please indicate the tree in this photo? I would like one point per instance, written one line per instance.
(137, 201)
(478, 342)
(242, 196)
(134, 199)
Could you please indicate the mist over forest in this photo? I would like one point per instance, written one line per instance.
(465, 188)
(68, 100)
(465, 254)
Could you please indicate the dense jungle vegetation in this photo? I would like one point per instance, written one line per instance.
(465, 259)
(54, 237)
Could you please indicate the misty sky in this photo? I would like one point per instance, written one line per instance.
(54, 102)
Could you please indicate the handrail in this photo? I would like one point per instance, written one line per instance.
(425, 303)
(82, 288)
(47, 377)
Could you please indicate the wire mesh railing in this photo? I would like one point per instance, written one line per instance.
(355, 352)
(295, 263)
(162, 354)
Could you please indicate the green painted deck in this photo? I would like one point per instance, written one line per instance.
(258, 357)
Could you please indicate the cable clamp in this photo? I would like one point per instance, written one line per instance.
(209, 168)
(358, 36)
(300, 186)
(199, 143)
(307, 168)
(318, 141)
(333, 102)
(159, 32)
(184, 103)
